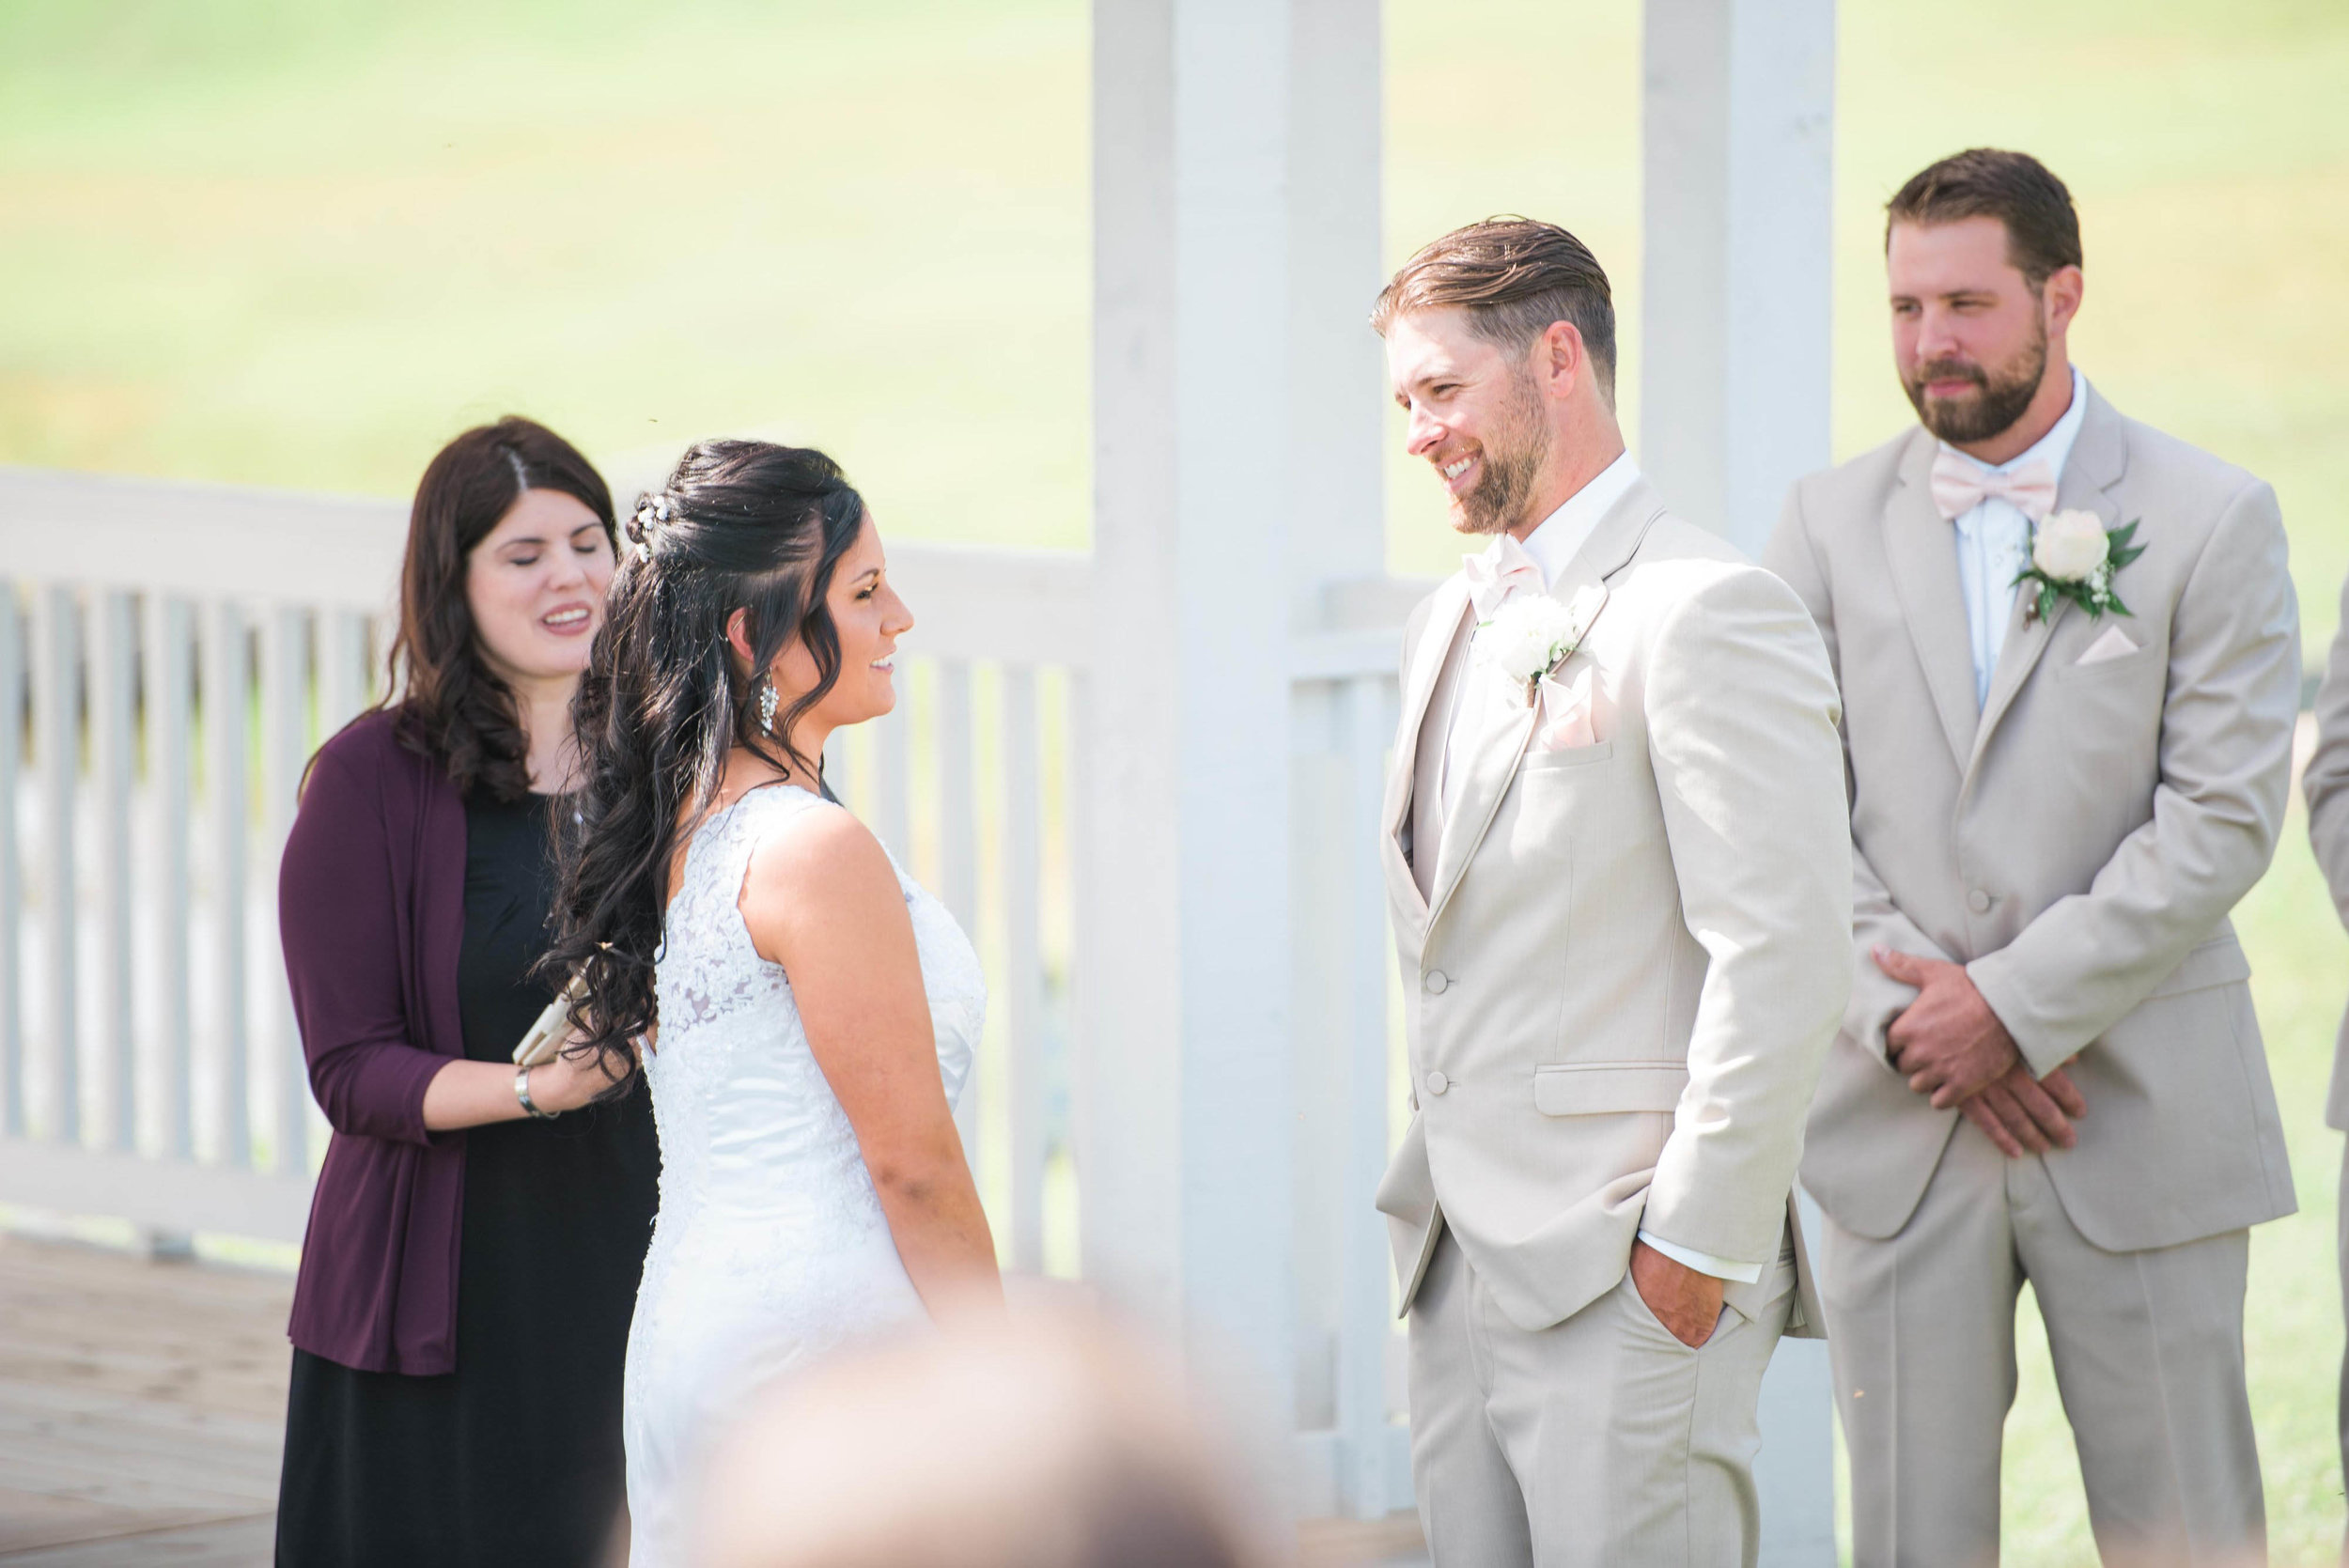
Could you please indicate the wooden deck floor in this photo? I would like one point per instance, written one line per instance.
(142, 1405)
(141, 1409)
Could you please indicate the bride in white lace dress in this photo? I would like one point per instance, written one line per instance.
(810, 1011)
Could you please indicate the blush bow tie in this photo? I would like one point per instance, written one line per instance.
(1960, 484)
(1497, 571)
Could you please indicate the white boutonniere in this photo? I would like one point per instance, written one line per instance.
(1533, 634)
(2073, 556)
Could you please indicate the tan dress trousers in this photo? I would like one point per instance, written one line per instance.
(1599, 1442)
(2148, 1352)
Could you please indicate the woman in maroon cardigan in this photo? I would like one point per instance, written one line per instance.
(461, 1314)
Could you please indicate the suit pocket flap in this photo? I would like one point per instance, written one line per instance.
(1602, 1087)
(2217, 962)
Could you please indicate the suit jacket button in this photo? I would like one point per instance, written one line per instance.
(1437, 1084)
(1977, 901)
(1436, 981)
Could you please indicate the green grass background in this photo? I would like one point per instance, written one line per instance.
(301, 242)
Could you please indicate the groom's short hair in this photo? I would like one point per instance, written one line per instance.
(1514, 276)
(2043, 228)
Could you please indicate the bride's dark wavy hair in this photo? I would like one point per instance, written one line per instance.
(740, 525)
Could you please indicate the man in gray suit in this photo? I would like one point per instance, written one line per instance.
(2068, 650)
(2326, 786)
(1619, 872)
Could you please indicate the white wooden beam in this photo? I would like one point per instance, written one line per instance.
(1736, 323)
(1184, 1144)
(1736, 342)
(1337, 373)
(1341, 958)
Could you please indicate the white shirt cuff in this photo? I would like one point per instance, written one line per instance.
(1704, 1262)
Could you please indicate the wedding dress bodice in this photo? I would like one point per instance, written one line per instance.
(771, 1246)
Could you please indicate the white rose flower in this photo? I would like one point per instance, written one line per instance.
(2069, 545)
(1526, 636)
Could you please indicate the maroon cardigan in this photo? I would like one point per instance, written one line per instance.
(372, 913)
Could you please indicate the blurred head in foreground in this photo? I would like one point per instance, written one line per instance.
(1051, 1442)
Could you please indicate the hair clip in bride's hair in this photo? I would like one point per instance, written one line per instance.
(652, 512)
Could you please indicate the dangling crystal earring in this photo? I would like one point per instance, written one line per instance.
(767, 703)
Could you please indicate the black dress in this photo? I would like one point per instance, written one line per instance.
(514, 1459)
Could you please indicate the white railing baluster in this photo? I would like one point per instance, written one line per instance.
(1023, 962)
(840, 771)
(285, 745)
(958, 794)
(228, 689)
(113, 644)
(959, 852)
(1365, 1319)
(11, 864)
(170, 681)
(57, 739)
(345, 682)
(1084, 907)
(890, 790)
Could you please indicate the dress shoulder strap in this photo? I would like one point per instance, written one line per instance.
(728, 840)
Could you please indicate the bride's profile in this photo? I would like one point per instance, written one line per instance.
(807, 1013)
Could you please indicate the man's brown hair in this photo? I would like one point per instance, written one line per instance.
(2042, 230)
(1514, 276)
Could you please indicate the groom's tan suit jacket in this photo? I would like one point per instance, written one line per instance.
(1630, 956)
(2078, 843)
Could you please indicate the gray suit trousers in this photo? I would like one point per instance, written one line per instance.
(1600, 1442)
(2148, 1352)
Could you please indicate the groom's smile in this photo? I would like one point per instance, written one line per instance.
(1474, 416)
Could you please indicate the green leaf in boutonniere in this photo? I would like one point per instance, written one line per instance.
(2073, 556)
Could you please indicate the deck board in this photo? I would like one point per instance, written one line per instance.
(142, 1409)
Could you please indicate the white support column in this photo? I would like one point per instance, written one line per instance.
(1337, 373)
(1735, 338)
(1341, 956)
(1185, 1140)
(1734, 330)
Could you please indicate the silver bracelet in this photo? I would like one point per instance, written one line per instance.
(522, 1093)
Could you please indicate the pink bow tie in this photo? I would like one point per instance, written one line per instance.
(1960, 484)
(1497, 571)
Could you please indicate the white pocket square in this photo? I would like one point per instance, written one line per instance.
(1566, 717)
(2114, 644)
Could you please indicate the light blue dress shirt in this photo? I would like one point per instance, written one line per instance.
(1994, 541)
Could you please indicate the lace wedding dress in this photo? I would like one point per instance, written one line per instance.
(771, 1246)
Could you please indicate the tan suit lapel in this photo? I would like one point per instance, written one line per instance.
(1446, 625)
(1921, 549)
(2099, 457)
(1485, 774)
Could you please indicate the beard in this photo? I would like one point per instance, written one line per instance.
(1513, 461)
(1996, 403)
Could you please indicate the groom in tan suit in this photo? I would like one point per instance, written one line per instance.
(1618, 864)
(2050, 1070)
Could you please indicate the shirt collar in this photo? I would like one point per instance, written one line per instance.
(1556, 537)
(2055, 447)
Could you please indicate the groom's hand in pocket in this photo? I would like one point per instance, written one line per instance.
(1686, 1302)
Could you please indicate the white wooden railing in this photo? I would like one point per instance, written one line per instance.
(171, 654)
